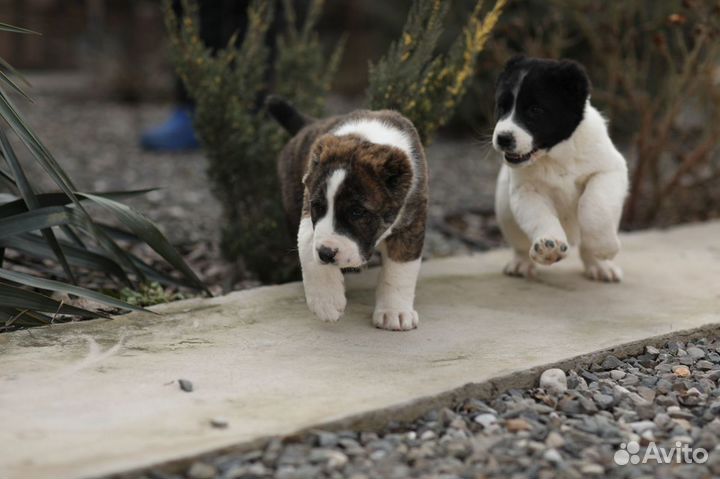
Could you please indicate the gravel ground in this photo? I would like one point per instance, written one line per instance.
(572, 426)
(96, 142)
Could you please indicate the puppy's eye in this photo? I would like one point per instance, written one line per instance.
(357, 212)
(317, 208)
(504, 104)
(535, 111)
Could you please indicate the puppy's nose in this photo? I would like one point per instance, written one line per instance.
(327, 255)
(506, 140)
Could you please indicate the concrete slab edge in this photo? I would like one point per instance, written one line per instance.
(408, 412)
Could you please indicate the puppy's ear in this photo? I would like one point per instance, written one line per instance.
(393, 167)
(510, 66)
(514, 61)
(572, 78)
(320, 145)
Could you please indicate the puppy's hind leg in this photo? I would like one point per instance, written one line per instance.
(520, 266)
(600, 269)
(599, 213)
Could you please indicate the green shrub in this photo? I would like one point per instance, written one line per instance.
(148, 294)
(422, 84)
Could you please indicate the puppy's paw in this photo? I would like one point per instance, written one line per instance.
(395, 320)
(548, 250)
(327, 305)
(520, 267)
(603, 270)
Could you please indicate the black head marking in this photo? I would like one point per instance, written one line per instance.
(546, 97)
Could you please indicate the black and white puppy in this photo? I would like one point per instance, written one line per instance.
(351, 185)
(562, 181)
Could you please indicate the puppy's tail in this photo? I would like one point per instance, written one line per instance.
(286, 114)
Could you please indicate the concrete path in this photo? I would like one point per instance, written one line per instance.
(99, 397)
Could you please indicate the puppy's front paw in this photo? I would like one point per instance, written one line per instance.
(603, 270)
(520, 267)
(548, 250)
(394, 320)
(327, 305)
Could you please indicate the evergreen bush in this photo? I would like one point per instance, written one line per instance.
(423, 85)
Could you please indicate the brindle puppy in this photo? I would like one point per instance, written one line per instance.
(352, 184)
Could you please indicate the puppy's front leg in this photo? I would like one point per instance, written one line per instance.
(395, 295)
(599, 211)
(536, 216)
(324, 285)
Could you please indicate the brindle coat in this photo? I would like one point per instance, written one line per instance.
(379, 183)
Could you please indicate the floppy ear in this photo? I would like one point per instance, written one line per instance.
(514, 61)
(393, 167)
(510, 65)
(573, 78)
(315, 153)
(322, 143)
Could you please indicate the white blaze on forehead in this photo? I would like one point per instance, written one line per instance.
(348, 252)
(325, 226)
(378, 132)
(333, 184)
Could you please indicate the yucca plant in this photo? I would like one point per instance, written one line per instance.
(59, 227)
(422, 84)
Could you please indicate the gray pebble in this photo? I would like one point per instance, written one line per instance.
(678, 412)
(485, 420)
(568, 405)
(351, 447)
(219, 422)
(696, 352)
(611, 362)
(604, 401)
(663, 386)
(332, 458)
(704, 365)
(651, 350)
(662, 420)
(555, 440)
(640, 426)
(630, 380)
(592, 469)
(201, 470)
(687, 360)
(554, 381)
(326, 439)
(553, 456)
(185, 385)
(293, 454)
(255, 469)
